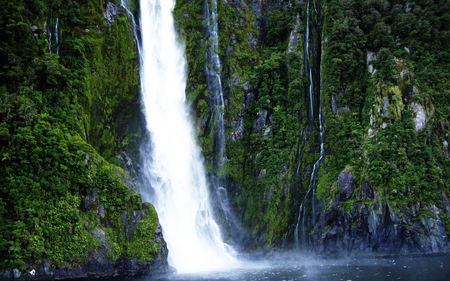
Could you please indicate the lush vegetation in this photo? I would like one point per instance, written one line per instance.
(68, 107)
(69, 113)
(374, 62)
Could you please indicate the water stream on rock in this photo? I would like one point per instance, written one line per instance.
(301, 221)
(213, 74)
(213, 70)
(174, 167)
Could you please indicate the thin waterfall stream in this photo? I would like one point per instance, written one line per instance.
(301, 220)
(174, 168)
(213, 71)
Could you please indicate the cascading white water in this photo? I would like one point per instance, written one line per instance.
(175, 167)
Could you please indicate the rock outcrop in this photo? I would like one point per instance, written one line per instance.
(101, 263)
(377, 227)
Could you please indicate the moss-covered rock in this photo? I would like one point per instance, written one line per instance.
(379, 71)
(69, 96)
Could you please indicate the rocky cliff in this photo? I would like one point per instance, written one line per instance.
(336, 116)
(70, 131)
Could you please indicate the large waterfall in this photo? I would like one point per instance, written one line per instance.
(174, 167)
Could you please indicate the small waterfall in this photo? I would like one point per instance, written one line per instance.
(224, 203)
(57, 36)
(174, 167)
(312, 182)
(49, 31)
(126, 7)
(213, 70)
(308, 66)
(52, 34)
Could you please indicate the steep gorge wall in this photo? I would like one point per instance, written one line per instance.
(70, 130)
(380, 76)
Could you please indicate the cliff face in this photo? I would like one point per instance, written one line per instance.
(70, 129)
(336, 117)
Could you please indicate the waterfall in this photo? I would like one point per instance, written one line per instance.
(213, 73)
(124, 5)
(174, 167)
(49, 32)
(57, 36)
(308, 66)
(54, 34)
(213, 70)
(312, 182)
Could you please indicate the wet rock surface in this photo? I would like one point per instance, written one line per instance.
(379, 228)
(346, 183)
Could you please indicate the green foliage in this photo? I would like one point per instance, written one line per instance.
(62, 116)
(369, 124)
(376, 132)
(141, 246)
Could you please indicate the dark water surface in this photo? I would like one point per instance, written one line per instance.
(304, 268)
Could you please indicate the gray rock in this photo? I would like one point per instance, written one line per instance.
(367, 189)
(370, 57)
(110, 12)
(335, 107)
(379, 228)
(252, 41)
(101, 211)
(237, 129)
(420, 120)
(293, 39)
(100, 235)
(267, 132)
(16, 273)
(445, 204)
(260, 123)
(346, 183)
(90, 200)
(135, 217)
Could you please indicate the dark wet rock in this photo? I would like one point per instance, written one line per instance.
(445, 204)
(98, 264)
(368, 228)
(135, 217)
(346, 183)
(367, 189)
(90, 200)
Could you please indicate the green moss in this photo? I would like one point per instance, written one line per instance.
(141, 246)
(63, 119)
